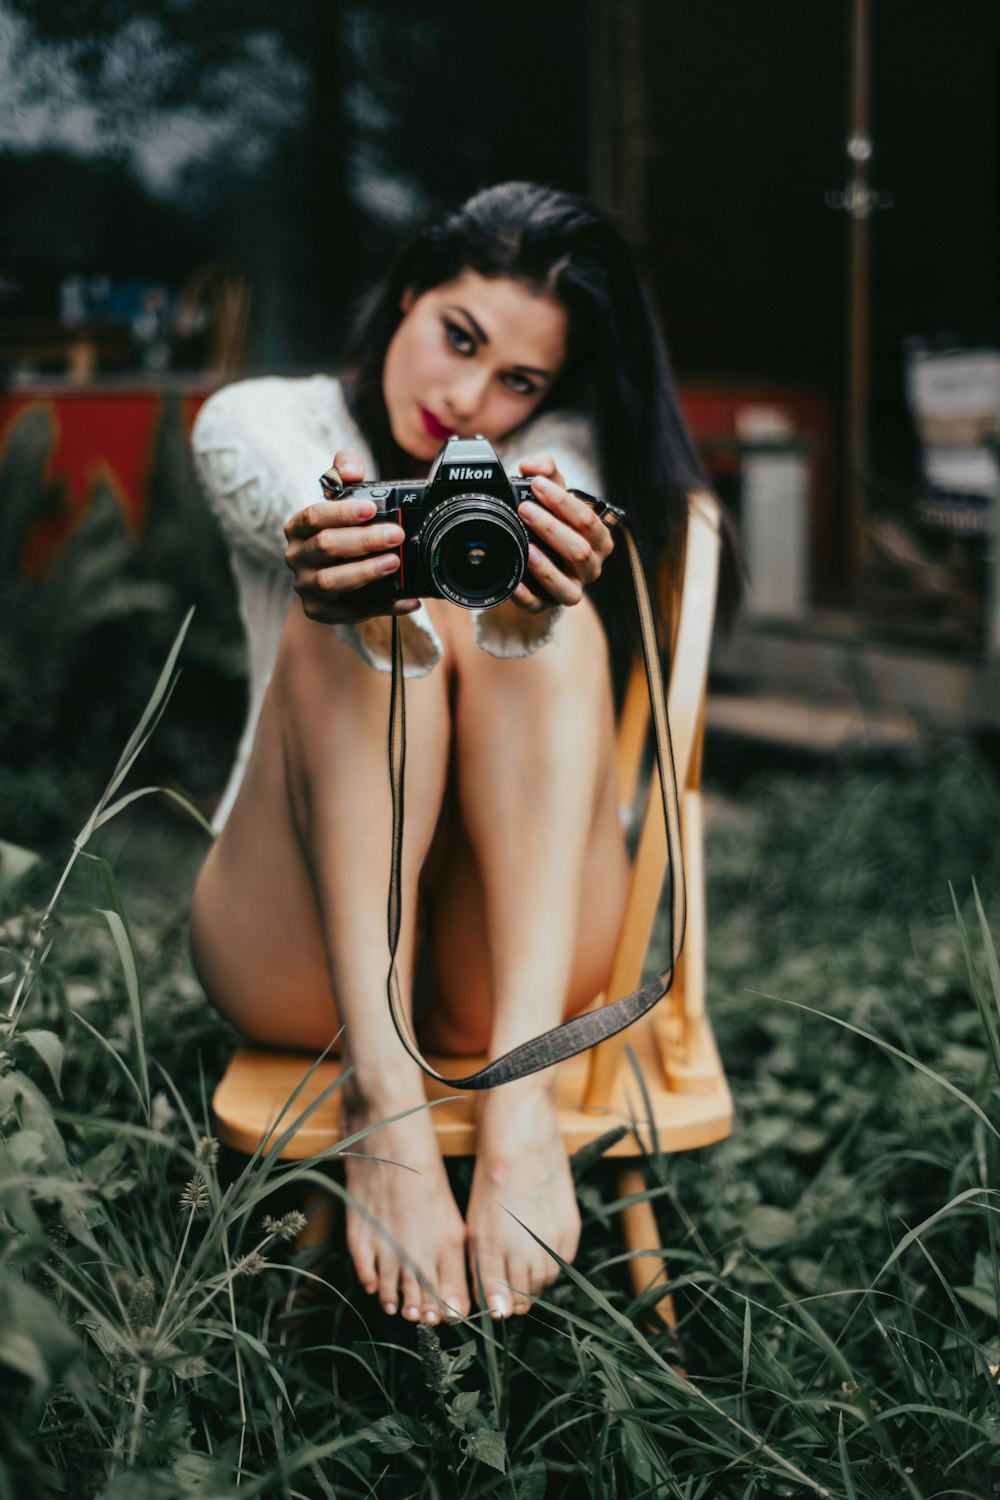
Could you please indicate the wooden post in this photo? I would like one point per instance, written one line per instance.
(619, 142)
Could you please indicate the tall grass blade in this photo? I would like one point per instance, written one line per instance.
(114, 808)
(126, 955)
(150, 716)
(845, 1462)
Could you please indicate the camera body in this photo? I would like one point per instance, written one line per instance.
(464, 540)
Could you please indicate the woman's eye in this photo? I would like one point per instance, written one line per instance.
(519, 384)
(459, 338)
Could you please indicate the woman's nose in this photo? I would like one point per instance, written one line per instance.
(465, 395)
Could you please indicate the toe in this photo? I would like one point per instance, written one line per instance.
(520, 1287)
(414, 1296)
(365, 1267)
(491, 1281)
(454, 1299)
(388, 1284)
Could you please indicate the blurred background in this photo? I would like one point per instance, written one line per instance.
(194, 192)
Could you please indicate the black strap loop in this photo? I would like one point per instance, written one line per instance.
(594, 1026)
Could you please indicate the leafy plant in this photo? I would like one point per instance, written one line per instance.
(80, 648)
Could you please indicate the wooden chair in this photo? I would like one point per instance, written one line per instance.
(684, 1100)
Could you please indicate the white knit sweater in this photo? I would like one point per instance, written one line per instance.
(260, 446)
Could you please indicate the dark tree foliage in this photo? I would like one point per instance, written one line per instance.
(392, 112)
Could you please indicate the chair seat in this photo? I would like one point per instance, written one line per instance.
(258, 1082)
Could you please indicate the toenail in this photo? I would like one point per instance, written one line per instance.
(411, 1312)
(390, 1307)
(498, 1306)
(430, 1316)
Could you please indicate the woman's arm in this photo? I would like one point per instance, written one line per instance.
(259, 447)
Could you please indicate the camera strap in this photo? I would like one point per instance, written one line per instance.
(582, 1031)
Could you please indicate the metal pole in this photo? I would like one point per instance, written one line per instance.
(859, 151)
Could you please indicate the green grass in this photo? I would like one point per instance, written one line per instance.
(834, 1262)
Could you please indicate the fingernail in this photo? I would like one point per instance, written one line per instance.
(411, 1312)
(542, 486)
(529, 512)
(362, 509)
(497, 1305)
(350, 466)
(390, 1307)
(391, 536)
(389, 563)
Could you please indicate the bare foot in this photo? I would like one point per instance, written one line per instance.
(521, 1171)
(408, 1194)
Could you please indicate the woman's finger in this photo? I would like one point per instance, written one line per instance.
(324, 515)
(345, 577)
(339, 544)
(573, 551)
(562, 587)
(530, 600)
(333, 610)
(348, 463)
(543, 464)
(575, 512)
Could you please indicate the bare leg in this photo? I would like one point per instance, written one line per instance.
(535, 778)
(290, 910)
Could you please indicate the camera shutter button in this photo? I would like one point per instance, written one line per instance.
(378, 494)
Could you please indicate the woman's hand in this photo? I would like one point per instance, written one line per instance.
(577, 542)
(333, 553)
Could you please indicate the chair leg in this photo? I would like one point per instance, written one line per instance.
(640, 1233)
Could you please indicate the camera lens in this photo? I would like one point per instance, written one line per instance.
(477, 551)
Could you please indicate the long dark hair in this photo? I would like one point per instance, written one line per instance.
(616, 372)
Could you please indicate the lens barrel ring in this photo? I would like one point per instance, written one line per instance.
(505, 533)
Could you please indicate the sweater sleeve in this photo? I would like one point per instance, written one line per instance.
(259, 448)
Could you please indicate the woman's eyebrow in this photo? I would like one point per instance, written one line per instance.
(484, 338)
(477, 328)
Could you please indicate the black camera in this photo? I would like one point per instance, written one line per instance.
(464, 540)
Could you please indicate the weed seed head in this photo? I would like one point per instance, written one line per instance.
(249, 1265)
(433, 1359)
(206, 1153)
(288, 1227)
(195, 1195)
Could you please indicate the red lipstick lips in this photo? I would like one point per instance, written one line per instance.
(436, 429)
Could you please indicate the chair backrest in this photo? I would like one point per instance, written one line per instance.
(690, 606)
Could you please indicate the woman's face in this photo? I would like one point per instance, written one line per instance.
(472, 356)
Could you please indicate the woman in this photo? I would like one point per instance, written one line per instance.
(521, 318)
